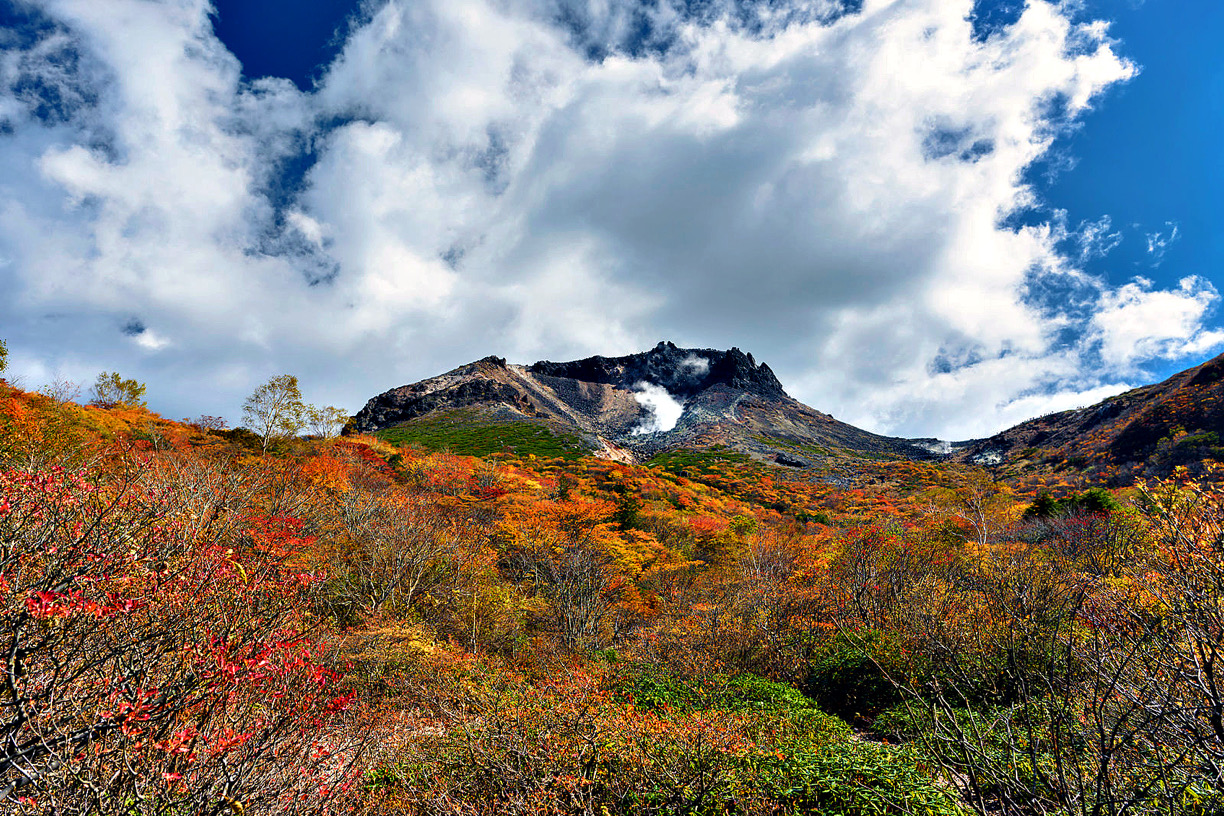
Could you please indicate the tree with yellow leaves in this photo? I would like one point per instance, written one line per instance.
(275, 410)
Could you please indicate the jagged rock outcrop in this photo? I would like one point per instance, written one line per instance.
(682, 372)
(727, 398)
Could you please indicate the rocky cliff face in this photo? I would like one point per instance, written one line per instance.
(721, 398)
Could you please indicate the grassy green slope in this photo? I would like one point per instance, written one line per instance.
(472, 433)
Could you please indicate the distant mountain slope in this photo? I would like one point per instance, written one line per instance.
(618, 407)
(1147, 431)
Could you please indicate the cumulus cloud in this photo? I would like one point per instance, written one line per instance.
(1136, 323)
(828, 188)
(663, 410)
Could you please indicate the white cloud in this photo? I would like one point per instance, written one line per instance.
(1097, 238)
(828, 195)
(310, 228)
(1136, 323)
(150, 340)
(1158, 243)
(664, 411)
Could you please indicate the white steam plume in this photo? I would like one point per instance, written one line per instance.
(664, 410)
(695, 364)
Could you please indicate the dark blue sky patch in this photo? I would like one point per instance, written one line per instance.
(288, 180)
(749, 13)
(281, 239)
(492, 162)
(1149, 152)
(52, 80)
(1055, 112)
(453, 256)
(942, 141)
(48, 102)
(312, 262)
(642, 38)
(282, 188)
(842, 9)
(1059, 295)
(578, 29)
(635, 37)
(322, 272)
(294, 39)
(977, 149)
(22, 26)
(994, 16)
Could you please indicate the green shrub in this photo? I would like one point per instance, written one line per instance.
(749, 692)
(690, 463)
(1094, 501)
(651, 688)
(853, 778)
(900, 722)
(717, 746)
(654, 689)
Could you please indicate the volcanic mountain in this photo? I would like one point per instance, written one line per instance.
(1143, 432)
(630, 407)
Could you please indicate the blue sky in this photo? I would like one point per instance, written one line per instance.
(284, 38)
(1151, 157)
(931, 217)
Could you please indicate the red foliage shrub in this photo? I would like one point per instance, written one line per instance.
(148, 670)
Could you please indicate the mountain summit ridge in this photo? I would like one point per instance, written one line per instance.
(637, 405)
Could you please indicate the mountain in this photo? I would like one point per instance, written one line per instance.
(1145, 432)
(626, 408)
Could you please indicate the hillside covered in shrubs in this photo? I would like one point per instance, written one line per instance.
(210, 621)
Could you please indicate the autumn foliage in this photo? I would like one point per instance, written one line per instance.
(193, 625)
(151, 665)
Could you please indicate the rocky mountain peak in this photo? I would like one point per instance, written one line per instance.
(662, 399)
(683, 372)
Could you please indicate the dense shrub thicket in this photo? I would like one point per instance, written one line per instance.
(195, 625)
